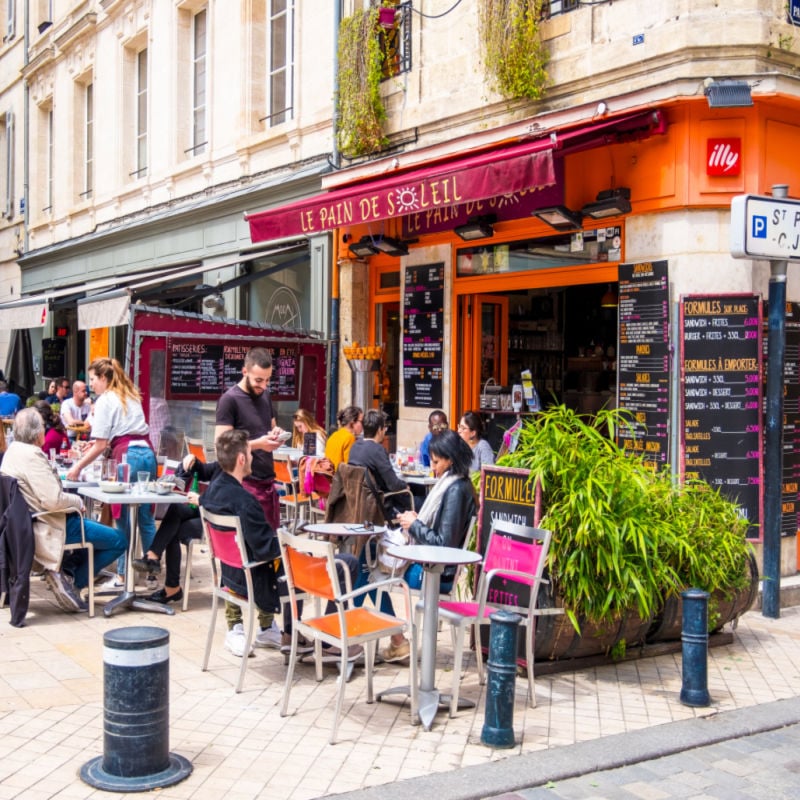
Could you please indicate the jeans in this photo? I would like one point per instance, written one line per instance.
(141, 459)
(109, 545)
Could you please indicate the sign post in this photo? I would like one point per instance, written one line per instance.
(769, 228)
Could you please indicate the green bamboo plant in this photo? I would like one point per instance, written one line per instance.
(624, 536)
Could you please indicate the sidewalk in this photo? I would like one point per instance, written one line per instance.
(51, 713)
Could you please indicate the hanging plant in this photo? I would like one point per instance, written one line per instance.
(358, 103)
(513, 52)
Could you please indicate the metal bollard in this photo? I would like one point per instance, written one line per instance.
(136, 755)
(498, 721)
(694, 641)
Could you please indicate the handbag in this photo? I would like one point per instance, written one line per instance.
(390, 565)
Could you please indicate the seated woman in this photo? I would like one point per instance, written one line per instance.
(180, 524)
(337, 448)
(55, 433)
(470, 429)
(304, 423)
(443, 520)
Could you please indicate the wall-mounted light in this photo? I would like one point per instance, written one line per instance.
(364, 247)
(392, 247)
(727, 94)
(476, 228)
(609, 203)
(610, 299)
(560, 217)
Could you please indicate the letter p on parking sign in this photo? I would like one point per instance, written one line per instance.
(759, 227)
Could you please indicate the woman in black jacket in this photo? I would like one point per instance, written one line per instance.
(180, 524)
(444, 518)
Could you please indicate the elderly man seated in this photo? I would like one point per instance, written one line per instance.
(59, 524)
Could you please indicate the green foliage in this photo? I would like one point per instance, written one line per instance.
(358, 102)
(513, 52)
(624, 536)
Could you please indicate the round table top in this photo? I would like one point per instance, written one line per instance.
(342, 529)
(431, 554)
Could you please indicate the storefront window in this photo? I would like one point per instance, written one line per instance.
(282, 294)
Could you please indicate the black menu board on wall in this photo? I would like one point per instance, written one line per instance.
(54, 358)
(643, 358)
(199, 370)
(721, 439)
(423, 320)
(790, 479)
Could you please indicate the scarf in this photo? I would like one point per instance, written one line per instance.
(433, 502)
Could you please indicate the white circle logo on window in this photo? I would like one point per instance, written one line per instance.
(283, 309)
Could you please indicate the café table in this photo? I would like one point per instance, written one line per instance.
(128, 598)
(433, 560)
(351, 532)
(283, 453)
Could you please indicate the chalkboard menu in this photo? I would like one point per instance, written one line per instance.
(423, 332)
(643, 358)
(199, 370)
(790, 481)
(721, 397)
(54, 358)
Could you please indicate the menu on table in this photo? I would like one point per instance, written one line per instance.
(199, 370)
(721, 431)
(643, 359)
(423, 335)
(790, 479)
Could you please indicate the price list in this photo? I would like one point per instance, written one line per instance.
(790, 482)
(423, 316)
(721, 397)
(643, 358)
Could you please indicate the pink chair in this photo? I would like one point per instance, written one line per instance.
(520, 559)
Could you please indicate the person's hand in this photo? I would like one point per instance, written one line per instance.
(406, 519)
(268, 442)
(74, 473)
(188, 462)
(193, 498)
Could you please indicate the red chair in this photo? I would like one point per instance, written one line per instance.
(520, 559)
(310, 569)
(226, 546)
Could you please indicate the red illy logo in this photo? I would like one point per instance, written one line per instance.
(724, 157)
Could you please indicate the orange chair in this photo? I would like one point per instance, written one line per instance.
(226, 546)
(310, 569)
(291, 497)
(197, 448)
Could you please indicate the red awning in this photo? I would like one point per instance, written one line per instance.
(506, 170)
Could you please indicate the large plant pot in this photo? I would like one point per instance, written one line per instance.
(666, 626)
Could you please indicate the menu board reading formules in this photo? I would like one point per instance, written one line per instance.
(721, 397)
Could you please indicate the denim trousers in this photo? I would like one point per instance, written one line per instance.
(141, 459)
(109, 545)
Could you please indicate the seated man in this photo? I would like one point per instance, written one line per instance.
(75, 410)
(10, 403)
(40, 486)
(226, 495)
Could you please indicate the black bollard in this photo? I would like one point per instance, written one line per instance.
(498, 722)
(136, 755)
(694, 641)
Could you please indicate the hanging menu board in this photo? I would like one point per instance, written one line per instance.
(721, 397)
(423, 319)
(54, 358)
(643, 358)
(200, 370)
(790, 481)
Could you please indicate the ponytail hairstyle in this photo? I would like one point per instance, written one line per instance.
(117, 378)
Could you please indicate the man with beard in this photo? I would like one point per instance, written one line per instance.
(247, 407)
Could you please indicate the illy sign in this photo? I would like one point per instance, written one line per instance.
(724, 157)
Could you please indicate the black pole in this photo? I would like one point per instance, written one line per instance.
(694, 642)
(773, 434)
(498, 725)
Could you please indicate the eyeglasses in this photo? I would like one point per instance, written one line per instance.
(463, 427)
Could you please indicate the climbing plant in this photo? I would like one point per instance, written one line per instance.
(513, 53)
(361, 112)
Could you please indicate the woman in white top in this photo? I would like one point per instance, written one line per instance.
(119, 423)
(470, 429)
(304, 423)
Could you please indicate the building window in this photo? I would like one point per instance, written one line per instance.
(7, 144)
(199, 92)
(140, 116)
(11, 20)
(50, 159)
(396, 42)
(281, 61)
(553, 7)
(88, 140)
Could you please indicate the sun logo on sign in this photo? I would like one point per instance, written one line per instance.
(406, 199)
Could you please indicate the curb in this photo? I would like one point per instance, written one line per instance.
(610, 752)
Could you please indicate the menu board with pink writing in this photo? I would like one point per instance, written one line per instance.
(721, 432)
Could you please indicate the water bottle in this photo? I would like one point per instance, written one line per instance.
(124, 470)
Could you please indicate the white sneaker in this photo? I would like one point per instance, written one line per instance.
(111, 584)
(269, 637)
(235, 640)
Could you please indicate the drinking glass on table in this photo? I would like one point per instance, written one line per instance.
(110, 466)
(142, 479)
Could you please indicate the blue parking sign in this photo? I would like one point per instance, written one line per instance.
(794, 11)
(759, 227)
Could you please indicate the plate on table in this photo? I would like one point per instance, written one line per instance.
(111, 487)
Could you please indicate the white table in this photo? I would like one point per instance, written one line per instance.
(352, 533)
(283, 453)
(433, 560)
(133, 499)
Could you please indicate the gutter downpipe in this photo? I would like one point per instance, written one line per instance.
(333, 406)
(25, 131)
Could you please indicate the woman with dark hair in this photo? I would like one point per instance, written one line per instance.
(55, 434)
(470, 429)
(443, 520)
(351, 424)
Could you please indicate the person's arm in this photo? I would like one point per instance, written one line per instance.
(384, 469)
(452, 521)
(49, 491)
(258, 533)
(95, 449)
(68, 413)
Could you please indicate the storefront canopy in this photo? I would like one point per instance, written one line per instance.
(526, 165)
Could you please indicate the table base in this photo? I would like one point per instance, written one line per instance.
(126, 600)
(430, 701)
